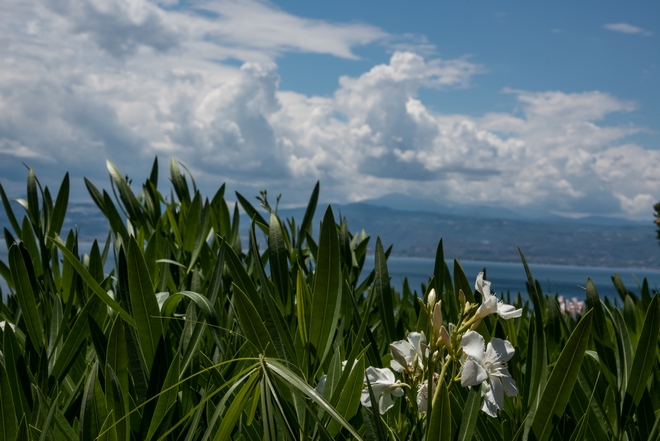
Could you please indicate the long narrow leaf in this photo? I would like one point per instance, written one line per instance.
(561, 381)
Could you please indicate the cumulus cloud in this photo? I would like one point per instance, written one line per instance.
(84, 80)
(626, 28)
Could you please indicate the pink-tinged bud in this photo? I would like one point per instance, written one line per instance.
(437, 316)
(444, 335)
(431, 299)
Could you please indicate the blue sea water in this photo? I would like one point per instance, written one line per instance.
(568, 281)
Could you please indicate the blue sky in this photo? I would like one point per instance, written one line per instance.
(537, 107)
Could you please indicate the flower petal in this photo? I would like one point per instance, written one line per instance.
(472, 373)
(508, 311)
(503, 348)
(489, 405)
(379, 376)
(487, 307)
(498, 392)
(385, 403)
(417, 339)
(396, 366)
(473, 345)
(483, 286)
(509, 385)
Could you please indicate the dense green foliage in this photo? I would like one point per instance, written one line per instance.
(195, 333)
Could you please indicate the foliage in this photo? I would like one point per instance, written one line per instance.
(195, 333)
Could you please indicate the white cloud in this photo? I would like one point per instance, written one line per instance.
(81, 81)
(626, 28)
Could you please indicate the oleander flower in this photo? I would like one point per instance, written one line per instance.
(384, 386)
(489, 365)
(423, 393)
(4, 323)
(408, 354)
(490, 304)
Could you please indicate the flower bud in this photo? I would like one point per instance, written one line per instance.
(444, 336)
(437, 316)
(431, 299)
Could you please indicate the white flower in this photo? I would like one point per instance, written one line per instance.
(408, 354)
(423, 393)
(489, 303)
(384, 386)
(480, 366)
(4, 323)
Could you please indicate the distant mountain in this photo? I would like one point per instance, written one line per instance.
(403, 202)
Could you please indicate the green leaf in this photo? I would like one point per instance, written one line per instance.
(349, 399)
(274, 321)
(300, 387)
(74, 340)
(8, 425)
(96, 288)
(179, 183)
(601, 334)
(279, 268)
(561, 381)
(167, 397)
(470, 414)
(440, 423)
(202, 232)
(252, 324)
(117, 360)
(93, 411)
(143, 301)
(133, 206)
(239, 403)
(193, 218)
(306, 224)
(253, 213)
(461, 282)
(25, 296)
(383, 292)
(644, 359)
(326, 297)
(33, 198)
(46, 426)
(10, 213)
(239, 275)
(538, 365)
(59, 211)
(624, 349)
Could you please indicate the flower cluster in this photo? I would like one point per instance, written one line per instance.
(461, 350)
(573, 306)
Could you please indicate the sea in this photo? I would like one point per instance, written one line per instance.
(510, 277)
(505, 277)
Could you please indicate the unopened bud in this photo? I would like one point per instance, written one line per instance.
(431, 299)
(461, 297)
(437, 316)
(444, 336)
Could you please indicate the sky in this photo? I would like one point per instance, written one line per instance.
(538, 107)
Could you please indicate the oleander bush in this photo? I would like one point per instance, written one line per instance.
(196, 333)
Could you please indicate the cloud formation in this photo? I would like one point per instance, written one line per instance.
(84, 80)
(627, 28)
